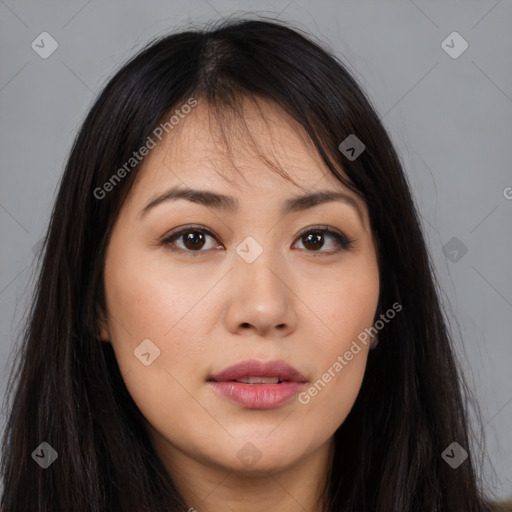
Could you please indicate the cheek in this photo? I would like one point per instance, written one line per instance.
(328, 400)
(345, 302)
(138, 299)
(341, 364)
(148, 294)
(145, 305)
(146, 301)
(347, 306)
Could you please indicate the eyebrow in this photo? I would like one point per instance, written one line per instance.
(228, 203)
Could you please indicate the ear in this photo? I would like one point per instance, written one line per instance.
(103, 324)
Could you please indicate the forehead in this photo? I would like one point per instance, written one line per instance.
(258, 145)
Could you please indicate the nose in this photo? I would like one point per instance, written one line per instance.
(260, 301)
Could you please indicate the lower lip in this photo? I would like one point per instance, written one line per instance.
(258, 396)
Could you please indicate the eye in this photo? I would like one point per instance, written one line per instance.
(314, 238)
(192, 240)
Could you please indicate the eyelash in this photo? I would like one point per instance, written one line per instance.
(343, 241)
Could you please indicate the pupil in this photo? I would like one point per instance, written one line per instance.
(193, 238)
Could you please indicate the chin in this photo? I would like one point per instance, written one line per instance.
(260, 455)
(269, 463)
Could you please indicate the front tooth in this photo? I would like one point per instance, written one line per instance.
(259, 380)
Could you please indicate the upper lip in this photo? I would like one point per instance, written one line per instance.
(252, 368)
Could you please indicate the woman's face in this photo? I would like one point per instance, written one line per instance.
(252, 280)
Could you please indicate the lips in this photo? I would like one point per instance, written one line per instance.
(260, 370)
(258, 385)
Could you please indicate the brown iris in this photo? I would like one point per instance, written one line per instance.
(314, 239)
(194, 240)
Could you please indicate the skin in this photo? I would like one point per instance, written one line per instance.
(212, 310)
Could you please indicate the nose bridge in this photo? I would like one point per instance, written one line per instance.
(258, 266)
(259, 295)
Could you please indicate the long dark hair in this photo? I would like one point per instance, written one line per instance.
(68, 390)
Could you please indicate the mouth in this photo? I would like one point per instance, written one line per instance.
(258, 385)
(259, 380)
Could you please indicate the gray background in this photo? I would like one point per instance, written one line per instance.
(450, 118)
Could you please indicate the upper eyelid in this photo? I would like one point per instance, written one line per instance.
(179, 231)
(185, 229)
(331, 231)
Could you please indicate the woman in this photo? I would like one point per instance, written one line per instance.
(264, 339)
